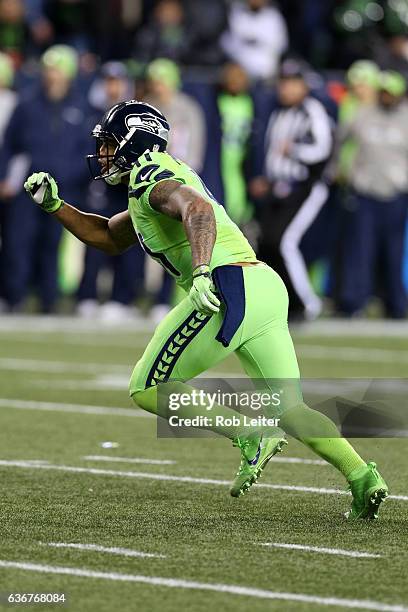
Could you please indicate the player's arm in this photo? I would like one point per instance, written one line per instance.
(185, 204)
(113, 236)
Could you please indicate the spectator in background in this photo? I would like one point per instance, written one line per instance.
(364, 79)
(256, 37)
(166, 34)
(69, 20)
(236, 110)
(379, 179)
(112, 24)
(18, 165)
(8, 101)
(392, 53)
(112, 87)
(309, 28)
(8, 98)
(187, 135)
(48, 126)
(298, 146)
(205, 28)
(13, 30)
(187, 141)
(41, 28)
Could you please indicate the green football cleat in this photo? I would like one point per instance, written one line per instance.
(368, 491)
(256, 451)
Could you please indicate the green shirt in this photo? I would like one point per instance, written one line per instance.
(164, 238)
(237, 113)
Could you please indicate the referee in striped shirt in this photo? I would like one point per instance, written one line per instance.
(298, 146)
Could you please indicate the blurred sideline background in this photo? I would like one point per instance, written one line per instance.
(293, 113)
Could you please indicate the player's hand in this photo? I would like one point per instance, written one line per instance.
(43, 189)
(202, 293)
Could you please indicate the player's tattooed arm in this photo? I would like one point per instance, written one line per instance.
(188, 206)
(113, 236)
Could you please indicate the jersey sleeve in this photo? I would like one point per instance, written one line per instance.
(150, 169)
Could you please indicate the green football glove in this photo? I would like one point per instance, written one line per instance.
(43, 189)
(202, 292)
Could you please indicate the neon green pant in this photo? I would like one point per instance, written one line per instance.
(183, 345)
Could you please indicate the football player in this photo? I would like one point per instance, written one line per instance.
(234, 302)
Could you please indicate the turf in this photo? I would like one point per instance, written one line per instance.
(205, 535)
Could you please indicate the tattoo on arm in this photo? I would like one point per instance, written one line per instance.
(201, 230)
(185, 204)
(161, 198)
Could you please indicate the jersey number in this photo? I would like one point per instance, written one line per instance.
(159, 257)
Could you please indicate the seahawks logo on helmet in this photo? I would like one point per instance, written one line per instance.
(148, 122)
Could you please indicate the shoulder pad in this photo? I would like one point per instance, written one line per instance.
(148, 169)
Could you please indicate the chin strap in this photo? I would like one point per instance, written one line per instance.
(115, 175)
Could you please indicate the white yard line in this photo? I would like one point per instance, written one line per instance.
(318, 352)
(56, 324)
(72, 408)
(299, 460)
(326, 551)
(205, 586)
(39, 365)
(129, 460)
(127, 342)
(111, 383)
(172, 478)
(114, 382)
(290, 460)
(125, 552)
(313, 351)
(336, 327)
(358, 328)
(351, 353)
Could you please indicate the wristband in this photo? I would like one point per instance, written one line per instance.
(62, 203)
(202, 270)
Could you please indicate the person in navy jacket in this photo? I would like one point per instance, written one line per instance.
(50, 126)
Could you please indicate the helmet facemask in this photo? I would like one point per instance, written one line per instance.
(111, 162)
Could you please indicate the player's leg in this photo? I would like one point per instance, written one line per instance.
(94, 261)
(291, 253)
(358, 255)
(268, 354)
(183, 346)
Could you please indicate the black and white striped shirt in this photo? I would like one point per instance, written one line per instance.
(298, 142)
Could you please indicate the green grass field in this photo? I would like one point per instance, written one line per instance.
(64, 392)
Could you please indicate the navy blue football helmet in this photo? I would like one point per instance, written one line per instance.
(132, 128)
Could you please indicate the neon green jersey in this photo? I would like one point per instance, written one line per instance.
(164, 238)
